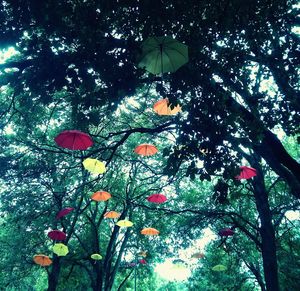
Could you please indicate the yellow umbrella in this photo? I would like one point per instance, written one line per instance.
(143, 254)
(219, 268)
(96, 257)
(124, 223)
(60, 249)
(94, 166)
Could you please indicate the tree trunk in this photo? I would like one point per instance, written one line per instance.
(54, 274)
(266, 231)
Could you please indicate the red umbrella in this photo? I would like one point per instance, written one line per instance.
(226, 232)
(64, 212)
(74, 140)
(246, 173)
(146, 149)
(57, 235)
(142, 261)
(157, 198)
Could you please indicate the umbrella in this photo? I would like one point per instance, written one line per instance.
(94, 166)
(226, 232)
(124, 223)
(246, 173)
(57, 235)
(101, 196)
(163, 54)
(157, 198)
(150, 231)
(162, 107)
(143, 254)
(146, 150)
(64, 212)
(142, 261)
(60, 249)
(42, 260)
(219, 268)
(112, 214)
(96, 257)
(73, 140)
(198, 256)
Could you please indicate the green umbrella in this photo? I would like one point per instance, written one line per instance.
(96, 257)
(163, 54)
(60, 249)
(219, 268)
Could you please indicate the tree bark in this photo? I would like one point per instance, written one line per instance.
(54, 274)
(266, 230)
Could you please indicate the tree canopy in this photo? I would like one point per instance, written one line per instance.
(231, 77)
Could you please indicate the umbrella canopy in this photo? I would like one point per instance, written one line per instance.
(94, 166)
(198, 256)
(157, 198)
(246, 173)
(57, 235)
(163, 54)
(60, 249)
(162, 107)
(146, 150)
(150, 231)
(64, 212)
(219, 268)
(101, 196)
(96, 257)
(226, 232)
(124, 223)
(73, 140)
(112, 214)
(42, 260)
(143, 254)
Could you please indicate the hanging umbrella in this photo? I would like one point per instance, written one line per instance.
(157, 198)
(57, 235)
(226, 232)
(198, 256)
(124, 223)
(112, 214)
(246, 173)
(101, 196)
(143, 254)
(146, 150)
(163, 54)
(150, 231)
(73, 140)
(142, 261)
(94, 166)
(96, 257)
(162, 107)
(60, 249)
(64, 212)
(42, 260)
(219, 268)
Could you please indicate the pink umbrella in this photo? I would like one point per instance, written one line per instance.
(74, 140)
(157, 198)
(226, 232)
(142, 261)
(246, 173)
(57, 235)
(64, 212)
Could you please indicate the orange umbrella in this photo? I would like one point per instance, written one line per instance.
(112, 214)
(101, 196)
(150, 231)
(42, 260)
(162, 107)
(146, 149)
